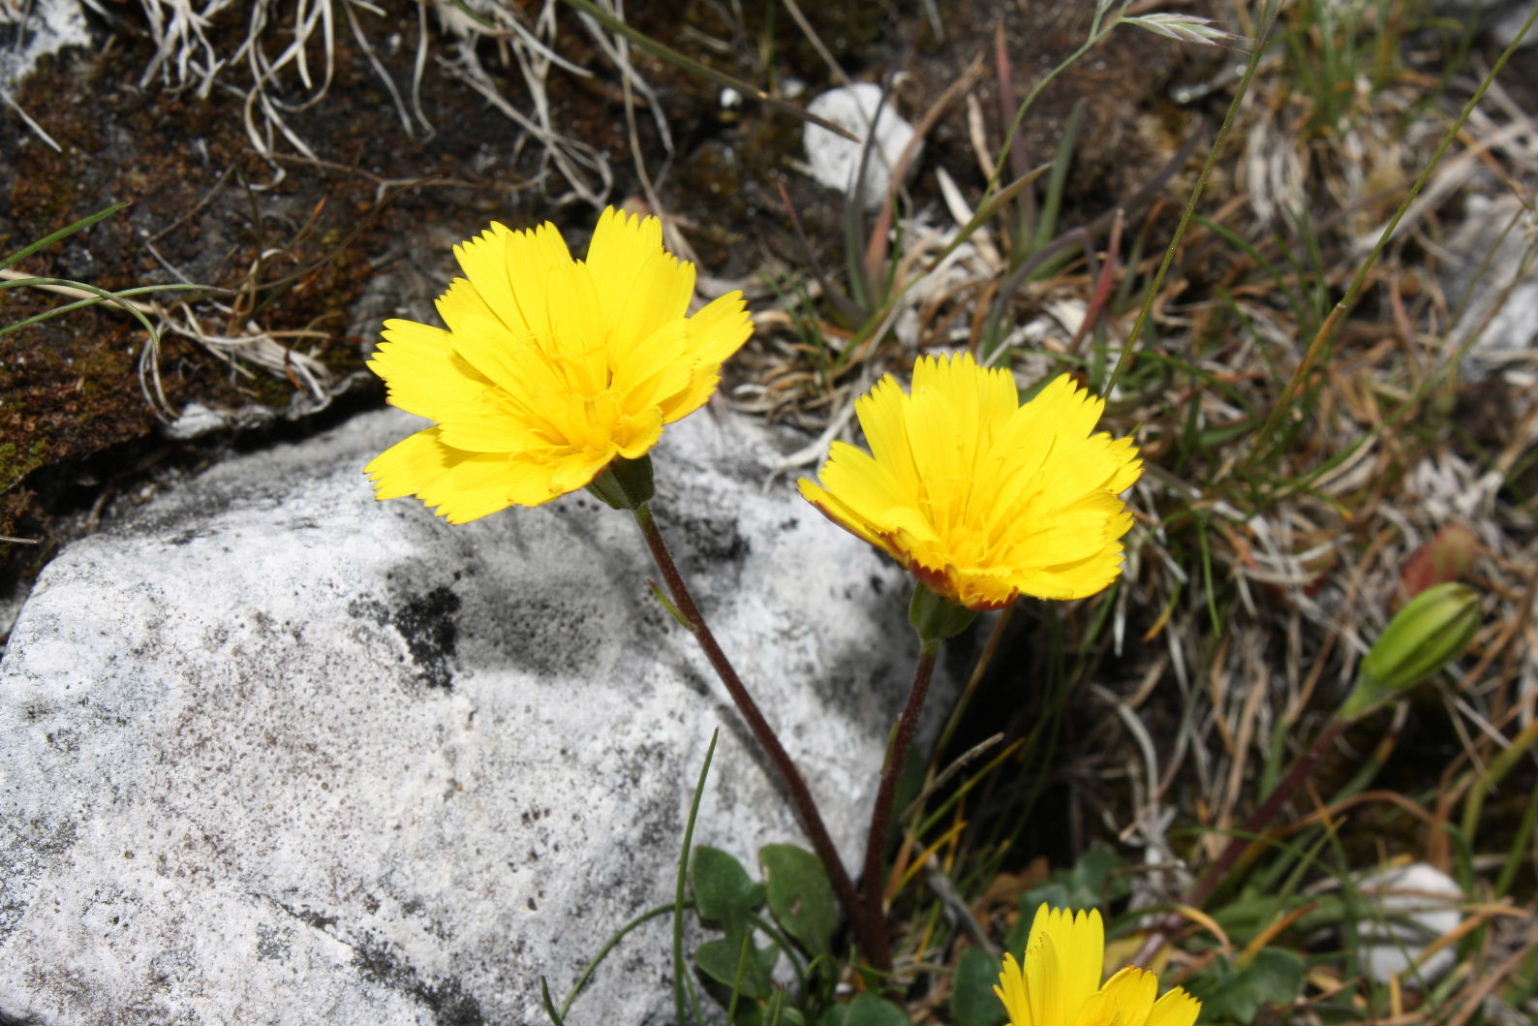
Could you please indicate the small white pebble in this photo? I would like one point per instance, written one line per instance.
(1416, 904)
(835, 160)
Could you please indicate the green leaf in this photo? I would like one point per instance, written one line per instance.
(737, 963)
(723, 891)
(972, 998)
(1231, 993)
(867, 1010)
(1091, 882)
(800, 895)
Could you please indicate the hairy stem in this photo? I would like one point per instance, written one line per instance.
(870, 933)
(873, 879)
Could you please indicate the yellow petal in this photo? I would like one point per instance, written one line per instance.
(654, 373)
(640, 285)
(883, 417)
(1011, 992)
(1068, 970)
(621, 243)
(1060, 981)
(422, 372)
(840, 512)
(1043, 981)
(982, 588)
(1176, 1008)
(867, 486)
(406, 465)
(719, 329)
(1126, 1000)
(507, 271)
(576, 329)
(464, 302)
(703, 382)
(462, 486)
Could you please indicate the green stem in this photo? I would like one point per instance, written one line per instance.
(873, 878)
(870, 933)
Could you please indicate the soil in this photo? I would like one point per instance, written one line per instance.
(332, 245)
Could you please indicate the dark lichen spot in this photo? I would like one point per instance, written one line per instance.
(428, 626)
(447, 1000)
(309, 917)
(713, 543)
(427, 623)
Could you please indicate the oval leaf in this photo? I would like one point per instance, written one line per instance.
(800, 895)
(869, 1010)
(972, 998)
(723, 891)
(736, 963)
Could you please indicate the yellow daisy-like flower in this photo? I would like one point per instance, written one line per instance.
(1060, 984)
(984, 499)
(550, 368)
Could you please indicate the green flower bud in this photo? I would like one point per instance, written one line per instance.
(936, 617)
(624, 484)
(1431, 631)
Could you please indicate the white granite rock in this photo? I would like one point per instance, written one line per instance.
(835, 161)
(272, 752)
(42, 27)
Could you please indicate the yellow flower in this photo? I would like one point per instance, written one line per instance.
(551, 368)
(1060, 985)
(982, 498)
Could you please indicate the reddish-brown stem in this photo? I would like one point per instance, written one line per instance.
(1261, 817)
(873, 879)
(1240, 842)
(870, 932)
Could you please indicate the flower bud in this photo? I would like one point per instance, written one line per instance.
(936, 617)
(1431, 631)
(624, 484)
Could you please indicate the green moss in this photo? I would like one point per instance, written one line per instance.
(16, 463)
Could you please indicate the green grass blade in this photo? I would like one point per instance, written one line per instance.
(62, 233)
(101, 296)
(1052, 203)
(681, 981)
(608, 946)
(1267, 21)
